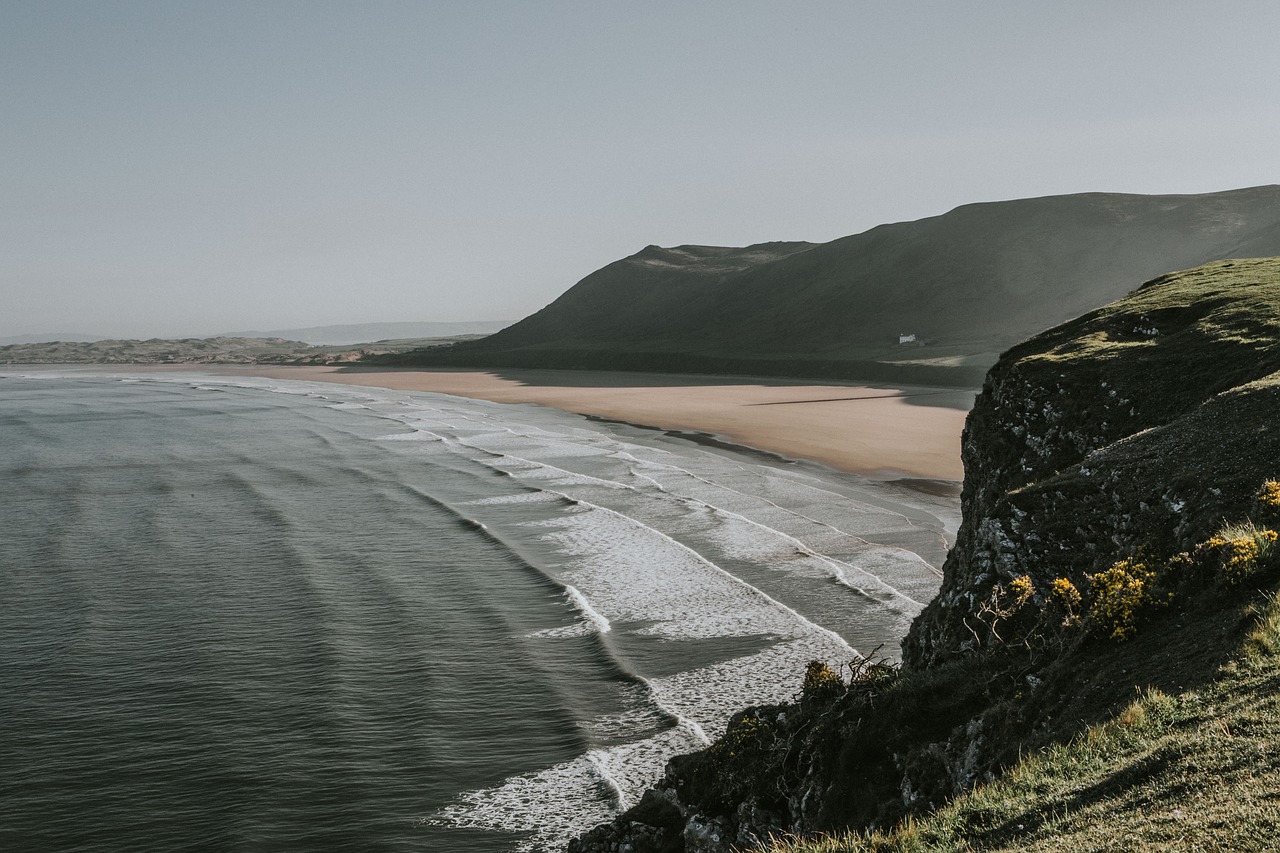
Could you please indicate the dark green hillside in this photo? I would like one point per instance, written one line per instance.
(968, 284)
(646, 286)
(1100, 668)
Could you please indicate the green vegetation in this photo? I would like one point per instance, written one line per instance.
(1131, 433)
(1192, 771)
(1099, 669)
(1119, 469)
(820, 679)
(966, 285)
(1119, 595)
(1082, 760)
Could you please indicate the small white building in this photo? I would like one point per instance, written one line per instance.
(906, 339)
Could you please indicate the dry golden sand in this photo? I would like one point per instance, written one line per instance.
(875, 431)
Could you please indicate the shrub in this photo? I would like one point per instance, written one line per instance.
(872, 672)
(1266, 503)
(748, 734)
(1240, 551)
(1004, 602)
(820, 680)
(1119, 595)
(1065, 596)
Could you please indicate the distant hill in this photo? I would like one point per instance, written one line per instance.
(967, 284)
(221, 350)
(361, 333)
(340, 335)
(224, 349)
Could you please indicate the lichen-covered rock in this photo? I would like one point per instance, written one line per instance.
(1139, 427)
(1097, 438)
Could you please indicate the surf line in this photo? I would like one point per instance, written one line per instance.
(836, 571)
(752, 590)
(696, 556)
(578, 601)
(835, 564)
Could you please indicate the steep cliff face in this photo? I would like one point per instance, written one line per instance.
(1113, 432)
(1136, 429)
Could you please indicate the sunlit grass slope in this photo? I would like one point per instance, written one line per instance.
(1195, 770)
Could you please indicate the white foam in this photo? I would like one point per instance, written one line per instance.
(416, 435)
(637, 573)
(589, 613)
(616, 511)
(556, 804)
(518, 498)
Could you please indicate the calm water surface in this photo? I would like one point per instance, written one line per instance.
(259, 615)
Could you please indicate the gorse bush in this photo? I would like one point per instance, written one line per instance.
(872, 672)
(1266, 503)
(1240, 551)
(1064, 595)
(1020, 591)
(749, 734)
(820, 680)
(1119, 594)
(1237, 554)
(1004, 603)
(741, 760)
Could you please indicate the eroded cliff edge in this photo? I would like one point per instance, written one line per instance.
(1133, 426)
(1133, 432)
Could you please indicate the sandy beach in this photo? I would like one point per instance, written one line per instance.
(871, 430)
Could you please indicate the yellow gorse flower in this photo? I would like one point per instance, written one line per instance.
(1119, 593)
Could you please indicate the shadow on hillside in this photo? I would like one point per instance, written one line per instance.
(951, 398)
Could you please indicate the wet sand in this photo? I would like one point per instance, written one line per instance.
(871, 430)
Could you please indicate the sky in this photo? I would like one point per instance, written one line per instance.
(186, 168)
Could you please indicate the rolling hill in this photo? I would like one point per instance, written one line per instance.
(967, 284)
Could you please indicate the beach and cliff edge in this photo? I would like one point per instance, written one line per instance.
(876, 431)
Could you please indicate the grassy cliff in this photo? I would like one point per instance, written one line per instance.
(967, 285)
(1099, 670)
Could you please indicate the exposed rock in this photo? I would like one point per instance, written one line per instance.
(1092, 442)
(1087, 443)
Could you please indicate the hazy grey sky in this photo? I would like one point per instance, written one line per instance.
(195, 167)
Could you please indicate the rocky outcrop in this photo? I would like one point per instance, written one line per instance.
(1137, 428)
(1113, 432)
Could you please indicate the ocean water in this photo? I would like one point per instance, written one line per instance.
(245, 614)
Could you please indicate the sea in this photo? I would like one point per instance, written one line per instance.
(248, 614)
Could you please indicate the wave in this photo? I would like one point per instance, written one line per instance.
(702, 582)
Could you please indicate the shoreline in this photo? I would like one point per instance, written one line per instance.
(909, 434)
(878, 431)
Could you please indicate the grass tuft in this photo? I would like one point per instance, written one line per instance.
(1195, 771)
(1263, 642)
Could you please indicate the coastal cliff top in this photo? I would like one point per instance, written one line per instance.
(1102, 659)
